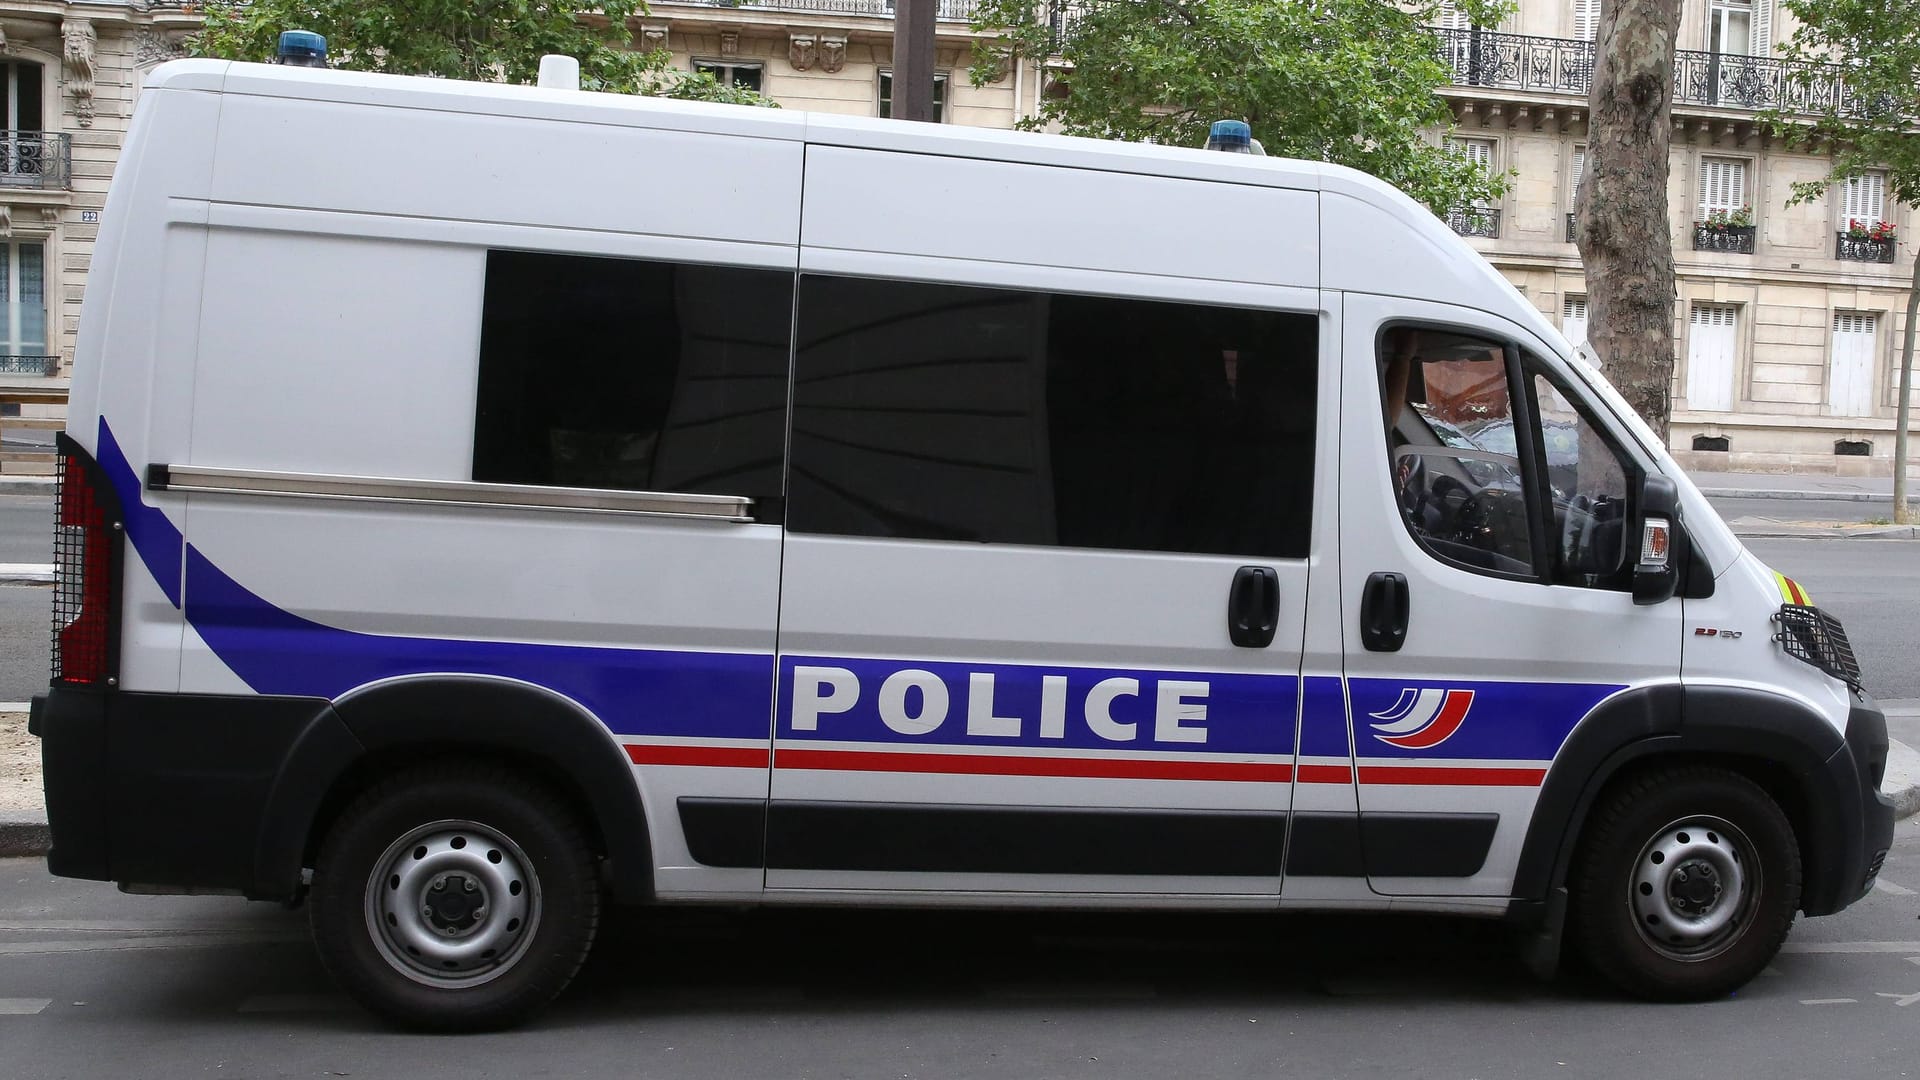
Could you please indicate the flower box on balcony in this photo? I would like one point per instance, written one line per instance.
(1733, 239)
(1863, 248)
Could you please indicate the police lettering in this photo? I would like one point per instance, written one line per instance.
(913, 701)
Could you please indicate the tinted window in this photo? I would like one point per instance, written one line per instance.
(618, 373)
(952, 413)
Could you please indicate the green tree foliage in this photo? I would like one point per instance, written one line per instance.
(485, 40)
(1873, 47)
(1345, 81)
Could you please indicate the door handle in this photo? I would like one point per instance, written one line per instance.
(1385, 607)
(1253, 607)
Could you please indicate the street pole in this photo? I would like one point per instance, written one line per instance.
(913, 59)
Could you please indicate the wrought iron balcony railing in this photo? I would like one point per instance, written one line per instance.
(947, 10)
(1475, 221)
(1565, 66)
(29, 365)
(1732, 239)
(35, 159)
(1573, 225)
(1860, 249)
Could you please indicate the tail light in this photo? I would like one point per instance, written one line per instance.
(85, 556)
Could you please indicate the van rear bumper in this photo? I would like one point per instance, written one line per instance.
(185, 791)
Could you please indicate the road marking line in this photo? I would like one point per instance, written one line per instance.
(1829, 1001)
(1890, 888)
(1851, 947)
(1902, 1000)
(1770, 971)
(275, 1003)
(23, 1006)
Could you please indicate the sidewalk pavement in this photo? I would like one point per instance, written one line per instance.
(1800, 487)
(23, 816)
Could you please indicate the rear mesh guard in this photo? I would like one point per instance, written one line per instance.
(1815, 637)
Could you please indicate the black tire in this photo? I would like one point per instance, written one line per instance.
(1687, 883)
(490, 859)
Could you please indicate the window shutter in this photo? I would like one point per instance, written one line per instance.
(1866, 198)
(1761, 41)
(1723, 186)
(1579, 170)
(1452, 18)
(1479, 151)
(1586, 19)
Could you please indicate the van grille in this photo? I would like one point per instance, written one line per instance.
(1813, 636)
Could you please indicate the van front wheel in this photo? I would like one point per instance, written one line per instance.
(454, 898)
(1687, 884)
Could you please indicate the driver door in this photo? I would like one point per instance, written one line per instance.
(1485, 592)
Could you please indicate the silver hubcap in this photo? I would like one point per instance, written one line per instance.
(1694, 888)
(452, 904)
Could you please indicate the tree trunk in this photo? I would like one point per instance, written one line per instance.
(1623, 232)
(1901, 514)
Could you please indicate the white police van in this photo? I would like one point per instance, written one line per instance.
(480, 501)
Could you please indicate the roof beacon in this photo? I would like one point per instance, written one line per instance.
(1234, 137)
(559, 72)
(302, 48)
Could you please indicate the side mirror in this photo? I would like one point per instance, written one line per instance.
(1655, 577)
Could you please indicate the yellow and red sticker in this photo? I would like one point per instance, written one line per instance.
(1790, 590)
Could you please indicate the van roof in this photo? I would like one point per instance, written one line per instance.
(498, 99)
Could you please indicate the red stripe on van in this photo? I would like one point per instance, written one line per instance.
(999, 765)
(727, 757)
(1466, 777)
(1326, 774)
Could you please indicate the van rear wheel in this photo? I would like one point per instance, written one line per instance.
(455, 898)
(1687, 884)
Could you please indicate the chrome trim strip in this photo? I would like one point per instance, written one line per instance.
(200, 479)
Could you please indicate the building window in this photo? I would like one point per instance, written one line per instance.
(1577, 171)
(1586, 19)
(1573, 320)
(1850, 375)
(1723, 188)
(939, 95)
(1724, 220)
(1481, 218)
(744, 76)
(22, 145)
(1712, 336)
(634, 375)
(1866, 200)
(23, 287)
(1740, 27)
(948, 412)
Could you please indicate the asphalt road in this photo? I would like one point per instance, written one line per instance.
(94, 983)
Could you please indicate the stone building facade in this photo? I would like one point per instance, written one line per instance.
(69, 72)
(1787, 329)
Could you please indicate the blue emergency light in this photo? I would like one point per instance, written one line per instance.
(302, 48)
(1232, 136)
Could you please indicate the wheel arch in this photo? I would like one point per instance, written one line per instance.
(528, 728)
(1780, 743)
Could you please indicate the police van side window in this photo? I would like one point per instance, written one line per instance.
(1452, 448)
(631, 374)
(945, 412)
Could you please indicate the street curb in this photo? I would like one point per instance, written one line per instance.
(1876, 532)
(26, 485)
(26, 837)
(1796, 496)
(26, 573)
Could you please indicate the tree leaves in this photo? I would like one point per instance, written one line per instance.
(483, 40)
(1346, 81)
